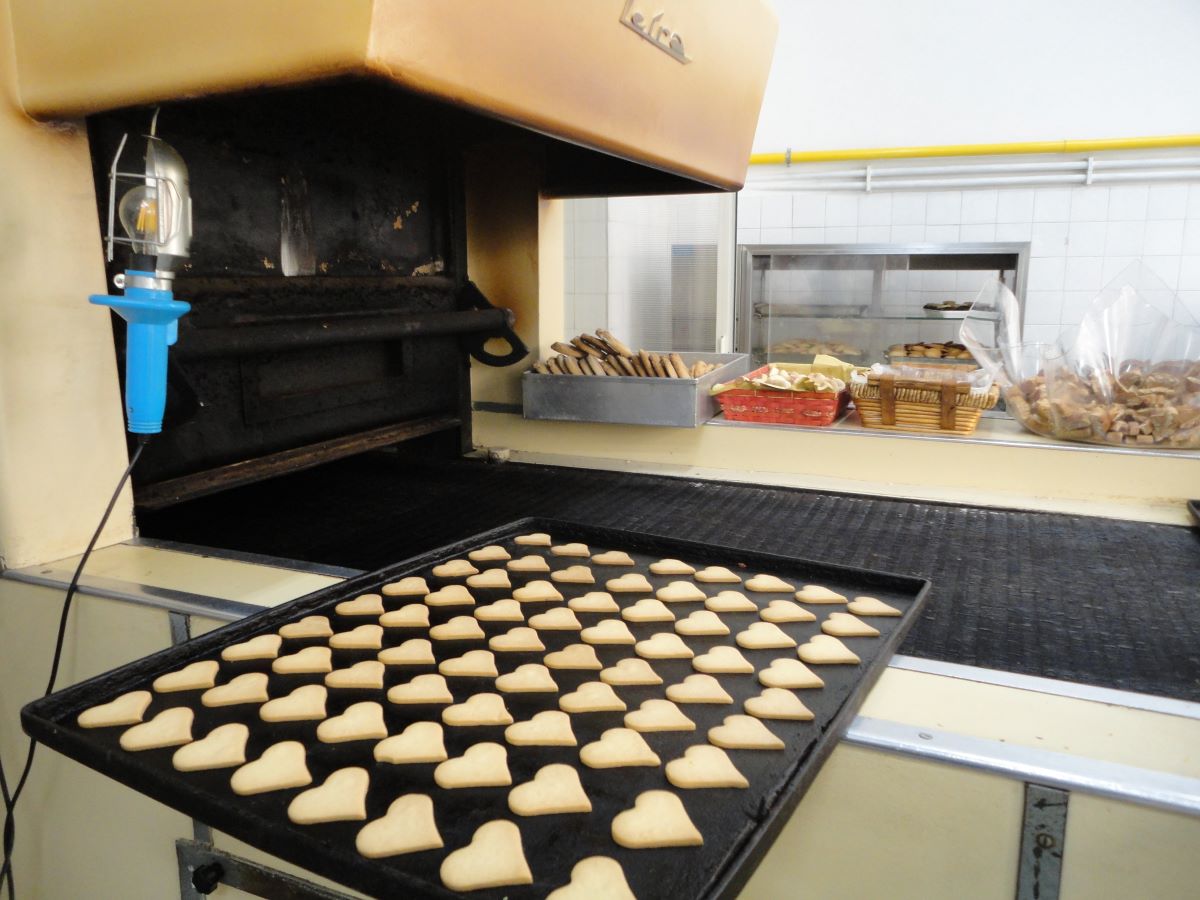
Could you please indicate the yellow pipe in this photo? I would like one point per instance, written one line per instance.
(1086, 146)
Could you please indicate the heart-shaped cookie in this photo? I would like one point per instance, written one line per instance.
(842, 624)
(679, 592)
(701, 622)
(360, 722)
(455, 568)
(301, 705)
(618, 748)
(408, 827)
(717, 575)
(744, 733)
(776, 703)
(530, 563)
(429, 688)
(594, 602)
(364, 637)
(630, 671)
(574, 656)
(248, 688)
(265, 646)
(362, 605)
(574, 575)
(698, 688)
(365, 675)
(554, 789)
(560, 618)
(630, 582)
(537, 591)
(281, 766)
(723, 660)
(731, 601)
(769, 584)
(537, 539)
(595, 878)
(824, 649)
(308, 627)
(494, 858)
(169, 728)
(411, 615)
(549, 728)
(221, 748)
(342, 798)
(521, 639)
(657, 819)
(420, 742)
(193, 677)
(482, 765)
(412, 586)
(613, 558)
(592, 696)
(663, 645)
(472, 664)
(785, 611)
(657, 714)
(648, 609)
(815, 593)
(791, 674)
(490, 578)
(127, 709)
(764, 636)
(671, 567)
(574, 549)
(871, 606)
(705, 766)
(413, 652)
(478, 709)
(608, 631)
(506, 610)
(459, 628)
(490, 553)
(304, 662)
(451, 595)
(530, 678)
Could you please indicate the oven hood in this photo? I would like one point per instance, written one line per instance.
(674, 86)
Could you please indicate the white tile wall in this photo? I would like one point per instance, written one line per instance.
(1080, 237)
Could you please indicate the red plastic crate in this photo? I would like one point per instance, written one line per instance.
(782, 407)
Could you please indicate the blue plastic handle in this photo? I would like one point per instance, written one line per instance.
(153, 318)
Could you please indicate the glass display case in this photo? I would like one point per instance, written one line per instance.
(865, 303)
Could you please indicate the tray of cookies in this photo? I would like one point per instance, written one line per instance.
(544, 709)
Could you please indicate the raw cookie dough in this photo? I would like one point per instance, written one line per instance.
(785, 611)
(478, 709)
(412, 615)
(308, 627)
(127, 709)
(744, 733)
(494, 858)
(304, 662)
(594, 602)
(530, 563)
(680, 592)
(537, 539)
(608, 631)
(814, 593)
(408, 827)
(764, 636)
(648, 609)
(698, 688)
(248, 688)
(574, 575)
(700, 623)
(420, 742)
(362, 605)
(769, 584)
(364, 637)
(613, 558)
(472, 664)
(365, 675)
(301, 705)
(413, 652)
(554, 789)
(717, 575)
(595, 878)
(789, 673)
(549, 728)
(412, 586)
(617, 748)
(657, 819)
(281, 766)
(490, 578)
(731, 601)
(342, 798)
(526, 679)
(592, 696)
(455, 568)
(630, 671)
(506, 610)
(723, 660)
(822, 649)
(664, 645)
(776, 703)
(630, 582)
(658, 715)
(671, 567)
(265, 646)
(429, 688)
(705, 766)
(482, 765)
(871, 606)
(841, 624)
(574, 656)
(360, 722)
(521, 639)
(451, 595)
(538, 592)
(193, 677)
(221, 748)
(490, 553)
(575, 549)
(560, 618)
(169, 728)
(459, 628)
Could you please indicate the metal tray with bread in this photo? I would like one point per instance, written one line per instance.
(738, 688)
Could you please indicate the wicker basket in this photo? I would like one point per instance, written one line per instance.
(920, 404)
(774, 407)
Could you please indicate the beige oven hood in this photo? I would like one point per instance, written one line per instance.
(671, 84)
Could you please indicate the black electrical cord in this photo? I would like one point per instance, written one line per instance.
(11, 797)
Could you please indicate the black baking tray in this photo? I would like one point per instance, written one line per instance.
(738, 825)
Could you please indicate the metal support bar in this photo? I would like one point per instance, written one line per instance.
(202, 868)
(1043, 842)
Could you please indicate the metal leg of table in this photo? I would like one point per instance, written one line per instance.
(203, 868)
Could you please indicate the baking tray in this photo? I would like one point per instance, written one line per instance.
(738, 825)
(628, 400)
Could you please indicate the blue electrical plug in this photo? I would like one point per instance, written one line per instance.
(153, 326)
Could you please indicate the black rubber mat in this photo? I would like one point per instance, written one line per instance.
(1091, 600)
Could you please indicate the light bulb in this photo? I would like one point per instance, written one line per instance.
(140, 217)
